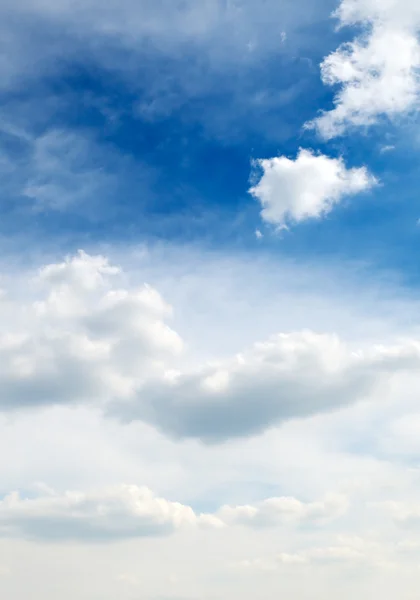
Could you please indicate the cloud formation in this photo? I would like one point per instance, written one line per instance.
(119, 512)
(129, 511)
(308, 187)
(86, 339)
(289, 376)
(290, 510)
(378, 72)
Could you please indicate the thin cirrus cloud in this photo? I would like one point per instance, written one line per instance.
(377, 73)
(60, 173)
(129, 511)
(307, 187)
(87, 339)
(62, 170)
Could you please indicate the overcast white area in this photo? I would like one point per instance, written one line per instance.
(330, 494)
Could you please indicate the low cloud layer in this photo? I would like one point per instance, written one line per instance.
(129, 511)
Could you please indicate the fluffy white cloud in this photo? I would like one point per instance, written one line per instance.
(84, 338)
(378, 71)
(307, 187)
(129, 511)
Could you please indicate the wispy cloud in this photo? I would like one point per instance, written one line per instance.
(66, 170)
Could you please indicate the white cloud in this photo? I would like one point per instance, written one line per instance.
(124, 511)
(129, 511)
(388, 148)
(378, 71)
(83, 339)
(286, 510)
(307, 187)
(86, 339)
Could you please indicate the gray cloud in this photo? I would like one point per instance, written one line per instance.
(289, 376)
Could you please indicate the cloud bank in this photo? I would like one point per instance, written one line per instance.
(129, 511)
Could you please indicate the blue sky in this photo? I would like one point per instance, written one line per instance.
(209, 330)
(154, 137)
(154, 140)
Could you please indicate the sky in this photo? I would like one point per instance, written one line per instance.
(209, 299)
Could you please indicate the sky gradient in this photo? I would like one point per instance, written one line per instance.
(209, 299)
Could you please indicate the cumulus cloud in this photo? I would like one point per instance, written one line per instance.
(83, 339)
(378, 72)
(307, 187)
(119, 512)
(129, 511)
(289, 376)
